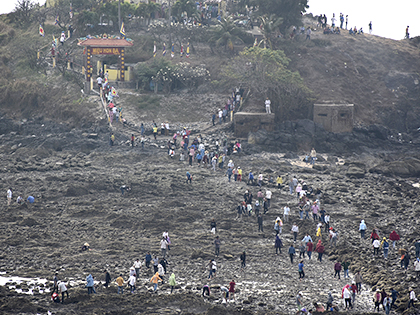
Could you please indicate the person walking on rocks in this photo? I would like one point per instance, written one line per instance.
(243, 261)
(107, 279)
(345, 266)
(377, 299)
(385, 247)
(313, 156)
(412, 298)
(232, 290)
(260, 223)
(394, 295)
(172, 282)
(161, 272)
(394, 237)
(268, 197)
(299, 302)
(375, 245)
(320, 250)
(358, 279)
(278, 245)
(155, 279)
(295, 231)
(301, 270)
(132, 283)
(417, 267)
(189, 178)
(292, 252)
(9, 197)
(337, 269)
(309, 248)
(387, 304)
(217, 246)
(137, 267)
(55, 285)
(120, 284)
(302, 250)
(90, 284)
(163, 246)
(347, 298)
(286, 213)
(353, 291)
(362, 229)
(63, 290)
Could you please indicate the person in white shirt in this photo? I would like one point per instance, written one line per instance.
(286, 214)
(267, 106)
(62, 289)
(137, 267)
(161, 271)
(347, 298)
(132, 283)
(99, 80)
(9, 196)
(268, 197)
(376, 244)
(220, 116)
(295, 230)
(412, 298)
(163, 246)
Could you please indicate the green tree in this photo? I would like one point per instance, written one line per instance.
(288, 10)
(270, 27)
(266, 74)
(181, 6)
(146, 71)
(225, 34)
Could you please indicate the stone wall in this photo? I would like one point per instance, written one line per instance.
(334, 117)
(252, 122)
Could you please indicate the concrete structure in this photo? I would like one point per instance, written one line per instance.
(334, 117)
(246, 122)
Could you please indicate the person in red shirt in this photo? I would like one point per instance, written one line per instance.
(309, 248)
(374, 235)
(232, 290)
(320, 250)
(394, 237)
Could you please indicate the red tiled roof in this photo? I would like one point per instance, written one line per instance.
(105, 42)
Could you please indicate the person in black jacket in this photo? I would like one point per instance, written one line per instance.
(260, 223)
(107, 278)
(243, 260)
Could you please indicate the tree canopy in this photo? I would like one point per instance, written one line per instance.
(266, 74)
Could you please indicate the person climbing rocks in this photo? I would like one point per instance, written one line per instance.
(132, 140)
(55, 284)
(206, 291)
(320, 250)
(123, 189)
(394, 295)
(374, 235)
(107, 279)
(292, 252)
(155, 264)
(302, 250)
(301, 270)
(347, 298)
(161, 272)
(278, 244)
(217, 246)
(189, 178)
(148, 259)
(337, 269)
(213, 226)
(394, 237)
(268, 194)
(63, 290)
(353, 291)
(120, 284)
(111, 139)
(155, 279)
(362, 229)
(299, 302)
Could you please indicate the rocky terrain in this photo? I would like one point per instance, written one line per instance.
(75, 176)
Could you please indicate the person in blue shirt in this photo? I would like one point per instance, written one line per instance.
(385, 247)
(250, 178)
(148, 259)
(292, 252)
(301, 270)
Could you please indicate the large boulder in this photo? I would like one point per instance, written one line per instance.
(405, 168)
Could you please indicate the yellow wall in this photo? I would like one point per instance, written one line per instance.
(114, 74)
